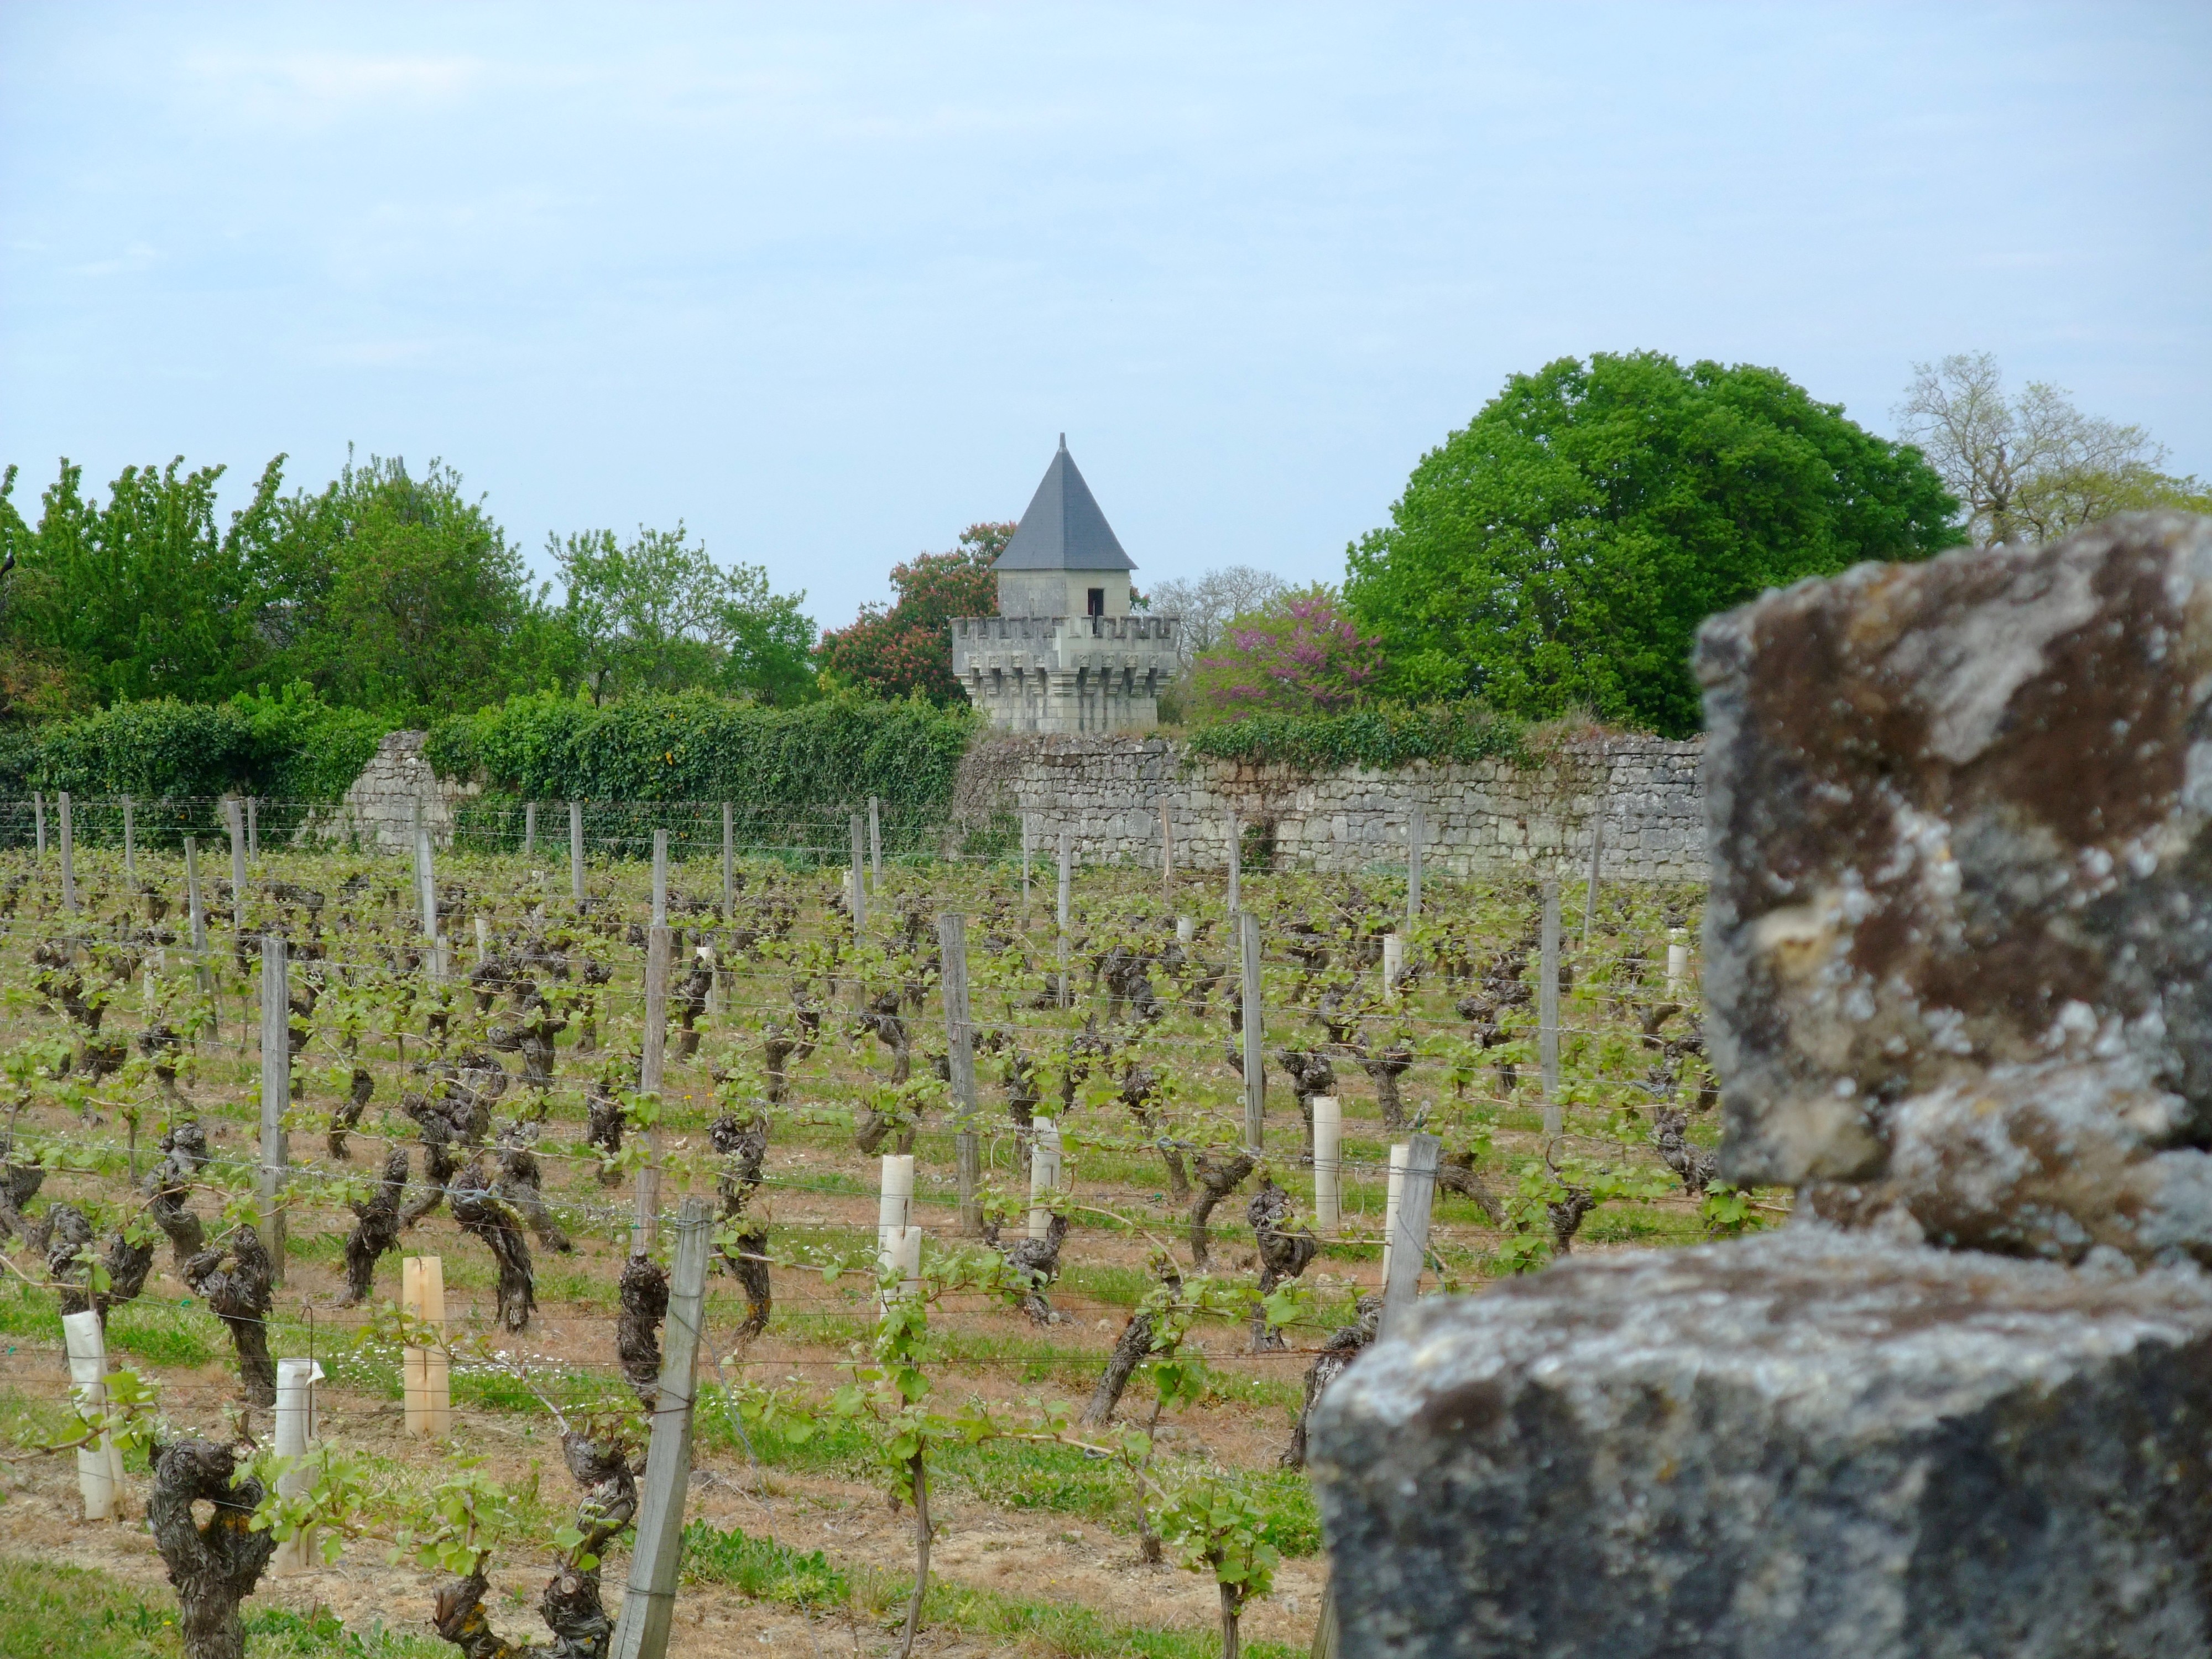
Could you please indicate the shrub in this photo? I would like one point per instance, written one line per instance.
(1376, 738)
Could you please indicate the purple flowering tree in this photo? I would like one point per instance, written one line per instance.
(1300, 654)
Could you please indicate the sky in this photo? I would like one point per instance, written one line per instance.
(826, 283)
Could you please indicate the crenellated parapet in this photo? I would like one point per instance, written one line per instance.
(1066, 673)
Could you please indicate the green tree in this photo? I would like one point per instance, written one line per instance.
(906, 647)
(1562, 549)
(398, 593)
(659, 614)
(143, 596)
(2032, 467)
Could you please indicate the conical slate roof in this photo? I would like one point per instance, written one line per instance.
(1063, 529)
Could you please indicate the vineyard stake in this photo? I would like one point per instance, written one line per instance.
(1067, 880)
(276, 1092)
(729, 862)
(1236, 865)
(295, 1423)
(1255, 1059)
(39, 812)
(253, 828)
(231, 812)
(1328, 1167)
(199, 935)
(1025, 863)
(875, 847)
(1597, 856)
(960, 1046)
(426, 1385)
(1417, 835)
(1409, 1241)
(426, 887)
(576, 854)
(1167, 850)
(130, 844)
(529, 828)
(651, 1060)
(1393, 1193)
(1044, 1174)
(99, 1465)
(860, 882)
(1547, 1010)
(660, 878)
(649, 1602)
(68, 858)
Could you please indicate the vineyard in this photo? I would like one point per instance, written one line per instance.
(1034, 1204)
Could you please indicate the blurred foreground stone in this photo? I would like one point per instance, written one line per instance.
(1959, 985)
(1813, 1444)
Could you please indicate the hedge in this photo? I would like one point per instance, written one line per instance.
(694, 746)
(288, 747)
(1378, 738)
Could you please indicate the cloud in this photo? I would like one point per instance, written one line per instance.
(316, 87)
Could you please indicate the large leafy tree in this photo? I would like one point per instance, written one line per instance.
(1560, 551)
(658, 614)
(142, 596)
(906, 646)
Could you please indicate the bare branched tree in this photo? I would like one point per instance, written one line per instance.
(2031, 467)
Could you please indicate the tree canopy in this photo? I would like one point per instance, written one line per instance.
(1560, 550)
(386, 590)
(906, 648)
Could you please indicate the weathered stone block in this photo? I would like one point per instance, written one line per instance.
(1813, 1444)
(1958, 945)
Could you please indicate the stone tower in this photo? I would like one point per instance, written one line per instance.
(1065, 654)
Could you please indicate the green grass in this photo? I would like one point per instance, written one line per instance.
(769, 1571)
(52, 1611)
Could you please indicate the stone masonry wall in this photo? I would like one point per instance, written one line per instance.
(1482, 818)
(379, 808)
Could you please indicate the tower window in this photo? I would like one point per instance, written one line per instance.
(1097, 601)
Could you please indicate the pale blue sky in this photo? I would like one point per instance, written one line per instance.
(828, 282)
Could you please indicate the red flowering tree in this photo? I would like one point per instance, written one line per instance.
(906, 646)
(1301, 654)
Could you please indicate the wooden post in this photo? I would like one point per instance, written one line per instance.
(483, 939)
(237, 865)
(253, 828)
(39, 813)
(295, 1427)
(1025, 863)
(1417, 835)
(426, 879)
(1408, 1243)
(1066, 883)
(649, 1602)
(275, 1093)
(529, 828)
(1255, 1059)
(425, 1386)
(1167, 849)
(859, 880)
(1044, 1174)
(576, 853)
(1329, 1165)
(130, 843)
(652, 1059)
(1413, 1181)
(1597, 857)
(199, 931)
(729, 862)
(68, 857)
(99, 1465)
(960, 1046)
(1547, 1010)
(875, 846)
(660, 878)
(1236, 865)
